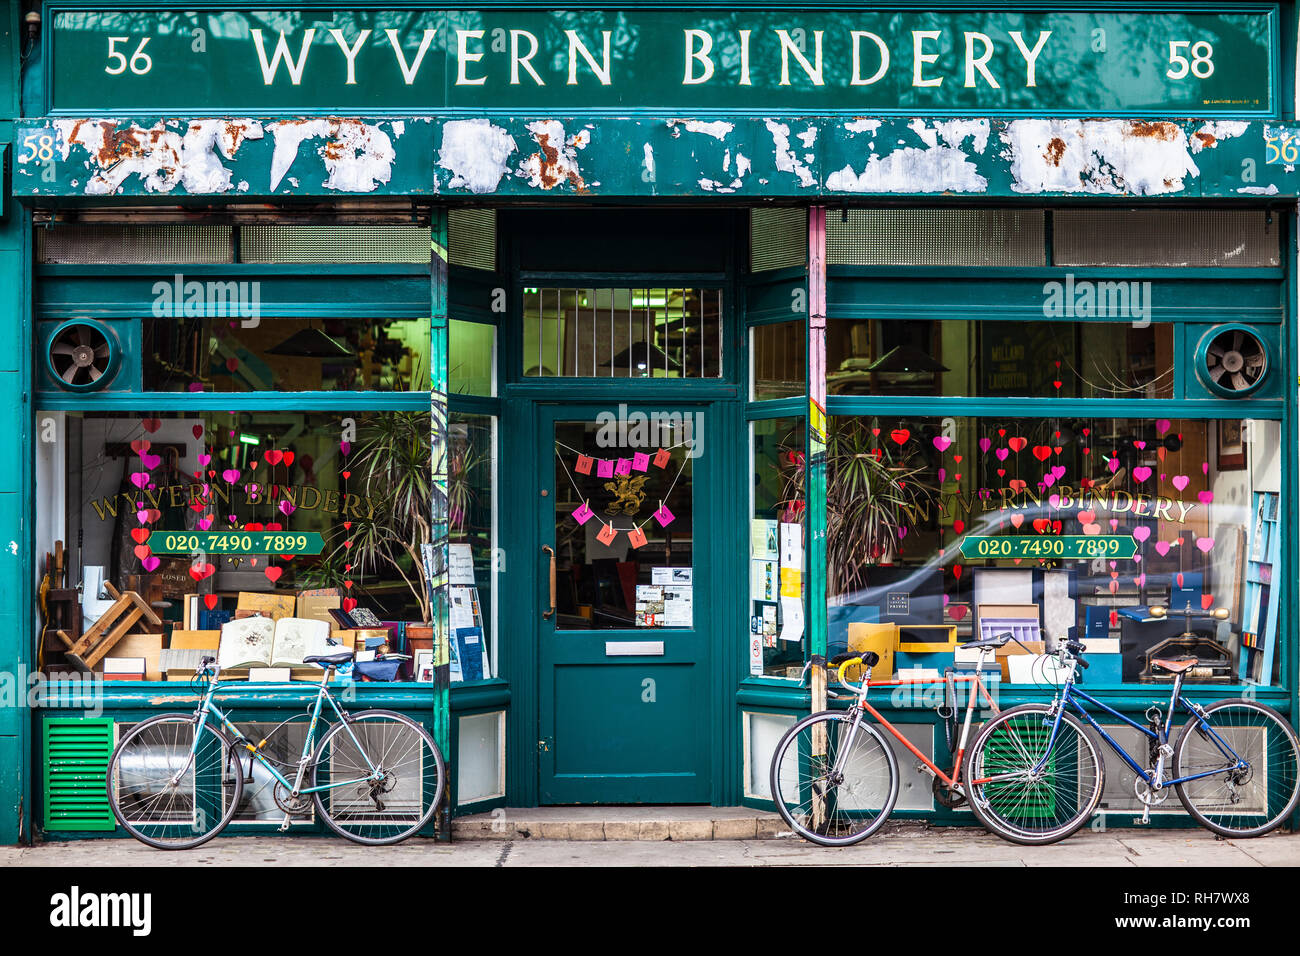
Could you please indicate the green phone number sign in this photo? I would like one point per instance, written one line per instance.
(236, 542)
(1075, 546)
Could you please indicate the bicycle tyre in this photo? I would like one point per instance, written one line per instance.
(361, 819)
(1006, 809)
(137, 755)
(1196, 752)
(864, 819)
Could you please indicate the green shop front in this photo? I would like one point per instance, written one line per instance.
(610, 365)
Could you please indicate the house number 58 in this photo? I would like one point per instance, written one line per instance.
(1201, 64)
(140, 63)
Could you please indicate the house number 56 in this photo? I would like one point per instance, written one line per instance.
(140, 63)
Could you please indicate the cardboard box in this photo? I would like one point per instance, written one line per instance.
(1037, 669)
(1012, 649)
(124, 668)
(273, 604)
(316, 607)
(198, 640)
(146, 646)
(881, 638)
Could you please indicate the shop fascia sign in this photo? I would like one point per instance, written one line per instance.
(1194, 63)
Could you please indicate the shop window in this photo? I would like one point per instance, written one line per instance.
(1141, 537)
(213, 516)
(622, 333)
(762, 733)
(1236, 238)
(286, 244)
(481, 758)
(777, 634)
(471, 535)
(936, 237)
(777, 360)
(243, 351)
(778, 239)
(110, 245)
(957, 357)
(472, 358)
(472, 238)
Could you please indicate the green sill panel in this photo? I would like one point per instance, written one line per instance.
(704, 155)
(800, 60)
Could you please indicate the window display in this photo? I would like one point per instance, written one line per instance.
(176, 524)
(777, 632)
(1136, 536)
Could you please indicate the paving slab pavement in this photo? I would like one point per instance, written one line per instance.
(897, 845)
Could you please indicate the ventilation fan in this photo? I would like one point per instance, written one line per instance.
(1232, 361)
(82, 356)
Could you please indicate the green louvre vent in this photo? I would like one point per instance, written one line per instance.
(1012, 800)
(76, 751)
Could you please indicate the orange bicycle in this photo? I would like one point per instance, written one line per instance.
(834, 777)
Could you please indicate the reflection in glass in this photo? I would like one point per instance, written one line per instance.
(1126, 533)
(247, 352)
(776, 549)
(624, 524)
(957, 357)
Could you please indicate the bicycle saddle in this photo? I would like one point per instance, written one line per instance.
(997, 640)
(341, 657)
(1174, 665)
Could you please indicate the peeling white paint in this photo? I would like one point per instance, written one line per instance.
(159, 156)
(477, 152)
(743, 165)
(358, 156)
(557, 160)
(808, 137)
(1269, 190)
(1099, 157)
(1211, 134)
(940, 167)
(862, 126)
(649, 161)
(786, 161)
(718, 129)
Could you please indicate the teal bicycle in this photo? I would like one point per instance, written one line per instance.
(175, 781)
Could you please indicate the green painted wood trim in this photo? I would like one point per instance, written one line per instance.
(479, 696)
(980, 157)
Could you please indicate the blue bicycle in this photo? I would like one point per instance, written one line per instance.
(1035, 773)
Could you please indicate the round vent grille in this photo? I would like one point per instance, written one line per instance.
(82, 356)
(1232, 361)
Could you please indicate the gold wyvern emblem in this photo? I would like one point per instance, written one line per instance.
(628, 495)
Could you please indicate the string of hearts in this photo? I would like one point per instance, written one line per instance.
(620, 467)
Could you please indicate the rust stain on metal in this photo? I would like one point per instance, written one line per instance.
(1207, 140)
(1160, 129)
(1055, 150)
(552, 171)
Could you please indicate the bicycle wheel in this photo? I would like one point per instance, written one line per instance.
(1025, 793)
(396, 804)
(1246, 801)
(833, 784)
(169, 790)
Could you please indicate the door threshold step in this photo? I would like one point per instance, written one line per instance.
(620, 823)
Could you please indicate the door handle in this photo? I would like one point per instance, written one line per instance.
(546, 615)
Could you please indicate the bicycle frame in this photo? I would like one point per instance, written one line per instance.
(1152, 777)
(979, 690)
(208, 708)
